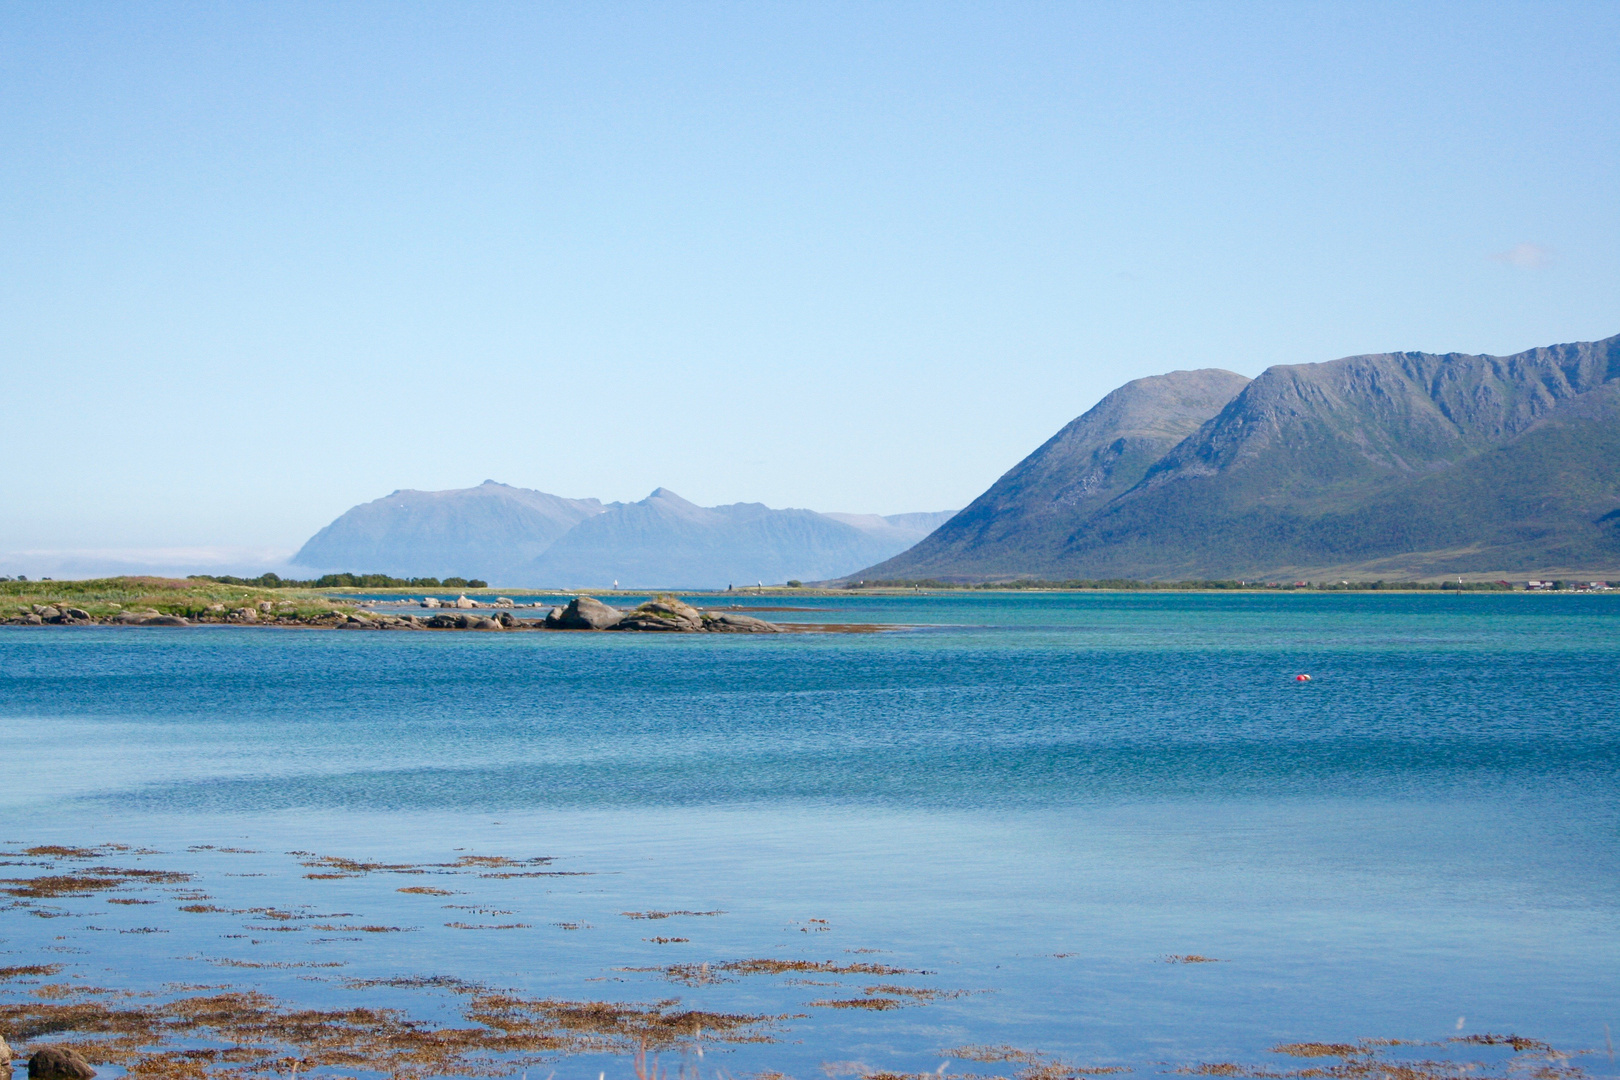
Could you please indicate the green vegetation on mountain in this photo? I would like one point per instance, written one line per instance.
(1403, 465)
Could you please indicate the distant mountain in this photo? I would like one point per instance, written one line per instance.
(1395, 465)
(517, 537)
(489, 531)
(901, 530)
(663, 540)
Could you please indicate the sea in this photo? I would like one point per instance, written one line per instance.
(967, 833)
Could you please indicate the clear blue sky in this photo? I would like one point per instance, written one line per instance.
(265, 261)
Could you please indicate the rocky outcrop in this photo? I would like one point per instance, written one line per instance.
(58, 1063)
(663, 614)
(584, 613)
(727, 622)
(60, 615)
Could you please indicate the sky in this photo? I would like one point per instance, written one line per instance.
(262, 262)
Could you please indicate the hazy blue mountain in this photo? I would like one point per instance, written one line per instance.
(489, 531)
(900, 530)
(1395, 465)
(663, 540)
(517, 537)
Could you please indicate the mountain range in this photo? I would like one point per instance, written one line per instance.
(514, 536)
(1395, 465)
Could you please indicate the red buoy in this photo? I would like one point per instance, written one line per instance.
(1302, 678)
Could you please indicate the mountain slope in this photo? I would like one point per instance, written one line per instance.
(487, 531)
(663, 540)
(1020, 523)
(1404, 463)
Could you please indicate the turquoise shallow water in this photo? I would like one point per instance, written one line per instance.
(1035, 799)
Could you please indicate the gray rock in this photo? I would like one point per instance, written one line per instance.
(485, 624)
(726, 622)
(77, 613)
(509, 620)
(46, 611)
(653, 624)
(165, 620)
(58, 1063)
(554, 619)
(588, 613)
(265, 605)
(663, 614)
(129, 618)
(442, 622)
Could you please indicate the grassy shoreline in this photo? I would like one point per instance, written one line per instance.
(204, 598)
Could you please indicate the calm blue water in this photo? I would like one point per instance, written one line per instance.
(1035, 799)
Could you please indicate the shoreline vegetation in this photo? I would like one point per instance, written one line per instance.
(152, 601)
(330, 602)
(1134, 585)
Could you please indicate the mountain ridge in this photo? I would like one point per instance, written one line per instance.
(521, 537)
(1433, 463)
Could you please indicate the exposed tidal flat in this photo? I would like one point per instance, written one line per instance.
(1102, 831)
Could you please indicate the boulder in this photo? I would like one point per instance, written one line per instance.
(554, 619)
(504, 601)
(265, 606)
(509, 620)
(430, 601)
(165, 620)
(726, 622)
(245, 614)
(58, 1063)
(462, 602)
(77, 613)
(663, 614)
(32, 619)
(587, 613)
(47, 611)
(483, 623)
(442, 622)
(129, 618)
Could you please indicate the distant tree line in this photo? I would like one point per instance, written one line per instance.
(345, 581)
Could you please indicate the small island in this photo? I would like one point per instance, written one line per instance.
(158, 602)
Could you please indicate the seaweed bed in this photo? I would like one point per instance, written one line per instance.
(199, 1032)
